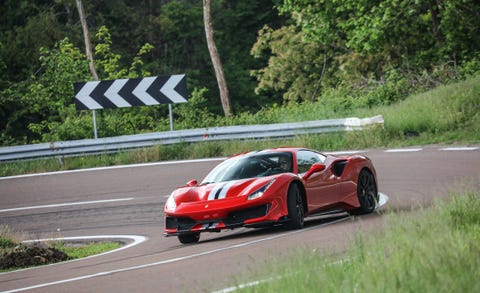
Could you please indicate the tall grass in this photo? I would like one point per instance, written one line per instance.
(433, 250)
(447, 114)
(444, 109)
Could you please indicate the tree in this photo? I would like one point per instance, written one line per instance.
(86, 37)
(217, 64)
(396, 32)
(88, 48)
(296, 68)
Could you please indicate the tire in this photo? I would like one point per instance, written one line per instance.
(296, 212)
(367, 193)
(189, 238)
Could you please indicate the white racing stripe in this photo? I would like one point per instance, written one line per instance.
(65, 204)
(225, 189)
(172, 260)
(213, 194)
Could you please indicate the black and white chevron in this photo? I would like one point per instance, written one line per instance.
(131, 92)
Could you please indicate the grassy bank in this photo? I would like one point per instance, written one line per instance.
(448, 114)
(431, 250)
(16, 255)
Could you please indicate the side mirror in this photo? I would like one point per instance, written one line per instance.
(314, 169)
(192, 183)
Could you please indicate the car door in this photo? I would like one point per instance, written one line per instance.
(320, 187)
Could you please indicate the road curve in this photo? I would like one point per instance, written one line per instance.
(129, 201)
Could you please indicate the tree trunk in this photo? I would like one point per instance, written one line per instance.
(86, 36)
(217, 64)
(433, 7)
(88, 49)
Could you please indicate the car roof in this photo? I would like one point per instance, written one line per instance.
(272, 150)
(283, 149)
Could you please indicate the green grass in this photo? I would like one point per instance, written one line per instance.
(431, 250)
(81, 250)
(449, 114)
(7, 241)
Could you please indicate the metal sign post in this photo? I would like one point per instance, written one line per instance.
(94, 124)
(170, 113)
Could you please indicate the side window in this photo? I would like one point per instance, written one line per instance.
(305, 159)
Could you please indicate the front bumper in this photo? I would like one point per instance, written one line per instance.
(238, 218)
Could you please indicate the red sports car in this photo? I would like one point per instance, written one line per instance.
(274, 186)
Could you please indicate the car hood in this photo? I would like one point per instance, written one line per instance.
(220, 190)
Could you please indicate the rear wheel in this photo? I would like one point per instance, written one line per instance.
(189, 238)
(366, 192)
(296, 212)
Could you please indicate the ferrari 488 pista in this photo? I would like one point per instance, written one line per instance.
(271, 187)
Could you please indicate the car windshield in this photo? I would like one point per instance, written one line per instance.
(251, 166)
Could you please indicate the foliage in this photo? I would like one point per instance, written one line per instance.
(345, 54)
(398, 29)
(365, 41)
(6, 239)
(294, 66)
(174, 38)
(49, 98)
(46, 102)
(194, 112)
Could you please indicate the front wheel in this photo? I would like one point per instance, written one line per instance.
(189, 238)
(366, 192)
(296, 212)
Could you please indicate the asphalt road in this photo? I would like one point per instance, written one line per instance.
(129, 201)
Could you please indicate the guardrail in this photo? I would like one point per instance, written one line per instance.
(113, 144)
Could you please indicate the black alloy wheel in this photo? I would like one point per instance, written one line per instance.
(189, 238)
(366, 192)
(296, 211)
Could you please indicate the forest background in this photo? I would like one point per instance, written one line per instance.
(343, 54)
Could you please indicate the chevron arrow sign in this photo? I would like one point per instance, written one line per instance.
(131, 92)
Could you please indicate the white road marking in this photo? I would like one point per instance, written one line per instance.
(116, 167)
(246, 285)
(172, 260)
(382, 200)
(460, 149)
(136, 240)
(65, 204)
(403, 150)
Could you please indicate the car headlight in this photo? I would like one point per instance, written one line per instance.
(171, 205)
(259, 192)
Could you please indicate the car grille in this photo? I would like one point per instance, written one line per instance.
(181, 224)
(238, 217)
